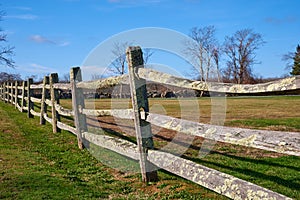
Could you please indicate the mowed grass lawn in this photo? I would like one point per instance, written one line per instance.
(37, 164)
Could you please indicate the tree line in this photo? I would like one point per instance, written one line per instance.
(205, 53)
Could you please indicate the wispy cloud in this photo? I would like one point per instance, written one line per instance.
(40, 39)
(22, 17)
(44, 40)
(278, 21)
(63, 44)
(38, 69)
(22, 8)
(133, 3)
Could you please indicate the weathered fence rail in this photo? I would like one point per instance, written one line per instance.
(20, 94)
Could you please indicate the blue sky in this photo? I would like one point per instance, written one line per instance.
(54, 35)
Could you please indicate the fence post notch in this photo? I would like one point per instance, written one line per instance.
(140, 103)
(78, 103)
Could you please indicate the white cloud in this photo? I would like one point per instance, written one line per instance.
(133, 3)
(22, 8)
(42, 39)
(22, 17)
(36, 68)
(63, 44)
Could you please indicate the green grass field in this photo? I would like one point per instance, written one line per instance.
(37, 164)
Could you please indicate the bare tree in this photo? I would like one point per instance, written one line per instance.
(216, 54)
(293, 61)
(119, 65)
(6, 51)
(65, 78)
(147, 53)
(241, 52)
(288, 58)
(204, 52)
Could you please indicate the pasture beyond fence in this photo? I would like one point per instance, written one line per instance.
(20, 94)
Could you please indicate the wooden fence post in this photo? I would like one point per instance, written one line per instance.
(6, 92)
(16, 94)
(139, 103)
(29, 94)
(1, 91)
(44, 97)
(11, 92)
(1, 96)
(54, 101)
(78, 103)
(23, 96)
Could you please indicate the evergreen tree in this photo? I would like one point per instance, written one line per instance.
(296, 66)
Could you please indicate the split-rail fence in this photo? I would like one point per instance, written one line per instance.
(20, 94)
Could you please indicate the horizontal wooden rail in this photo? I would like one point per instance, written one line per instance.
(48, 119)
(286, 84)
(277, 141)
(119, 113)
(19, 107)
(35, 100)
(63, 111)
(104, 83)
(66, 127)
(48, 102)
(35, 113)
(118, 145)
(62, 86)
